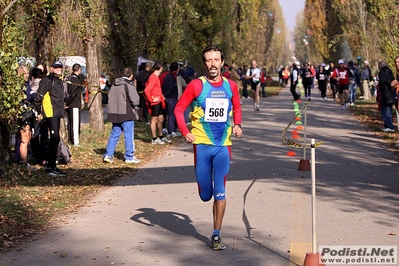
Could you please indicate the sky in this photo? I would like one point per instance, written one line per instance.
(290, 10)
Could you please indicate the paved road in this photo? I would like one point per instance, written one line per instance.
(154, 216)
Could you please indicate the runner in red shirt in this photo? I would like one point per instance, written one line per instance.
(342, 74)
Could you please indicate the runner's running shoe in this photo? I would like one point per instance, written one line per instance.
(217, 243)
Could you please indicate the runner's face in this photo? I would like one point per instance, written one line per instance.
(213, 63)
(397, 63)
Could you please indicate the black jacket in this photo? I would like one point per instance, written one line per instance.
(387, 93)
(49, 98)
(142, 78)
(169, 86)
(75, 92)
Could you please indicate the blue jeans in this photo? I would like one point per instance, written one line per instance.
(127, 128)
(352, 92)
(263, 85)
(170, 105)
(386, 115)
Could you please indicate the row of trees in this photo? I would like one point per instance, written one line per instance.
(347, 29)
(111, 34)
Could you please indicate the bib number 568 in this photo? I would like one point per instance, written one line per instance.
(216, 112)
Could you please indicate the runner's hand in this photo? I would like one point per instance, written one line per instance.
(190, 138)
(237, 131)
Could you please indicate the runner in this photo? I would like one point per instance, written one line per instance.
(215, 99)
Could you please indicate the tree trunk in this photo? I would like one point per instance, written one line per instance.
(4, 146)
(63, 131)
(95, 102)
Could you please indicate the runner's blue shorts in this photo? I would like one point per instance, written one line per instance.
(212, 164)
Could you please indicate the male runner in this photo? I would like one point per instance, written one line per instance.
(215, 99)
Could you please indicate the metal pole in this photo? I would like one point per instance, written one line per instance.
(304, 135)
(313, 171)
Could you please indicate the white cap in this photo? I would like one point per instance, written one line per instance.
(366, 62)
(340, 61)
(297, 63)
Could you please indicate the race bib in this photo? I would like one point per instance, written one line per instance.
(321, 77)
(216, 109)
(342, 75)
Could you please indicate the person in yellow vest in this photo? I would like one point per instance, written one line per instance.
(49, 104)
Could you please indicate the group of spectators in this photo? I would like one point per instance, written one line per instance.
(47, 97)
(153, 92)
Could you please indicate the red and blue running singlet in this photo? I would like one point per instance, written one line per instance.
(212, 111)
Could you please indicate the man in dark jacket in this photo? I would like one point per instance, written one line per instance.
(386, 95)
(353, 83)
(49, 104)
(294, 76)
(73, 103)
(366, 77)
(170, 92)
(141, 80)
(122, 102)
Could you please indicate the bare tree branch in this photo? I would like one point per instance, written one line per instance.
(5, 10)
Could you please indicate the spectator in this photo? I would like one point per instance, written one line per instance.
(122, 102)
(263, 82)
(73, 104)
(49, 104)
(25, 123)
(354, 82)
(294, 80)
(387, 95)
(244, 82)
(156, 105)
(226, 72)
(140, 81)
(171, 93)
(43, 67)
(285, 75)
(366, 77)
(40, 138)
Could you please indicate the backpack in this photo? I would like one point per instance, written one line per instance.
(63, 154)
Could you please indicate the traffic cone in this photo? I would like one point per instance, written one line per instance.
(291, 153)
(299, 128)
(312, 259)
(298, 123)
(294, 132)
(304, 165)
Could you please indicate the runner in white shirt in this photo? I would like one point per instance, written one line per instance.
(253, 75)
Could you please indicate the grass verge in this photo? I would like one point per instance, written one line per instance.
(367, 113)
(31, 200)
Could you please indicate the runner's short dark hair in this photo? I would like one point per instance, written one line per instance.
(212, 48)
